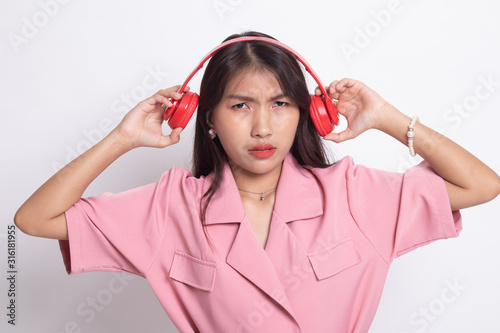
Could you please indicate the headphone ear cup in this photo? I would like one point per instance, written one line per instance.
(169, 111)
(323, 114)
(184, 109)
(331, 108)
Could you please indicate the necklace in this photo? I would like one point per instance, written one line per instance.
(259, 193)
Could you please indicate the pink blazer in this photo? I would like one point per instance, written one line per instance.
(334, 233)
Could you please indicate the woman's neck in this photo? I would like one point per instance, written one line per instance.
(257, 183)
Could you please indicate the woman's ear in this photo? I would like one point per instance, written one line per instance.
(208, 119)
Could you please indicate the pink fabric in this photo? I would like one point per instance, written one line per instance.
(334, 233)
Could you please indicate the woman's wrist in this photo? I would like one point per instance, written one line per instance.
(393, 122)
(118, 143)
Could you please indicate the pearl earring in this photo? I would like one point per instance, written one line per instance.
(212, 134)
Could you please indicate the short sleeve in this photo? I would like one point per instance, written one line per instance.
(400, 212)
(117, 232)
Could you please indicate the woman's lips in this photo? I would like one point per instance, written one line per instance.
(262, 150)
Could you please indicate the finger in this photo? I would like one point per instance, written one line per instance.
(186, 89)
(159, 99)
(333, 92)
(336, 88)
(345, 84)
(170, 93)
(150, 103)
(331, 89)
(341, 87)
(175, 135)
(172, 138)
(340, 137)
(318, 91)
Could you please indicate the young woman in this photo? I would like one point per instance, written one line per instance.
(265, 235)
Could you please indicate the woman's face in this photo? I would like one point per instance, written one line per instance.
(255, 122)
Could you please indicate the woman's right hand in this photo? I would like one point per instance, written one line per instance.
(43, 214)
(142, 126)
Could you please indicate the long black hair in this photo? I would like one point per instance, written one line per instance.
(209, 155)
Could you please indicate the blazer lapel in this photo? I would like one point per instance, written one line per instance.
(298, 197)
(250, 260)
(245, 254)
(284, 251)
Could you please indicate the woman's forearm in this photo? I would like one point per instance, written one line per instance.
(43, 213)
(468, 180)
(47, 205)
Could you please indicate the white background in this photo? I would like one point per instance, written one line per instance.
(69, 69)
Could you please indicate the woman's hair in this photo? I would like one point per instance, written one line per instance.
(209, 155)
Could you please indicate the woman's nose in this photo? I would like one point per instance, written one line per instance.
(262, 124)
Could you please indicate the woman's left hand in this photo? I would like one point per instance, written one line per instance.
(361, 106)
(468, 181)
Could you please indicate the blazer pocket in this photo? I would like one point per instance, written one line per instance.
(334, 258)
(193, 271)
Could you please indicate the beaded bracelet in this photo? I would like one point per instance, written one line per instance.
(409, 135)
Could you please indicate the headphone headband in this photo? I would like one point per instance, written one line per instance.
(322, 110)
(256, 38)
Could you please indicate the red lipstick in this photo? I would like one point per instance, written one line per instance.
(262, 150)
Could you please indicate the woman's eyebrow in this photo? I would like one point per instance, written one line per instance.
(252, 99)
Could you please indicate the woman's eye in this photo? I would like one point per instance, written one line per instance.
(279, 103)
(240, 106)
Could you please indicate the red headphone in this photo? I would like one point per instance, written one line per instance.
(322, 110)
